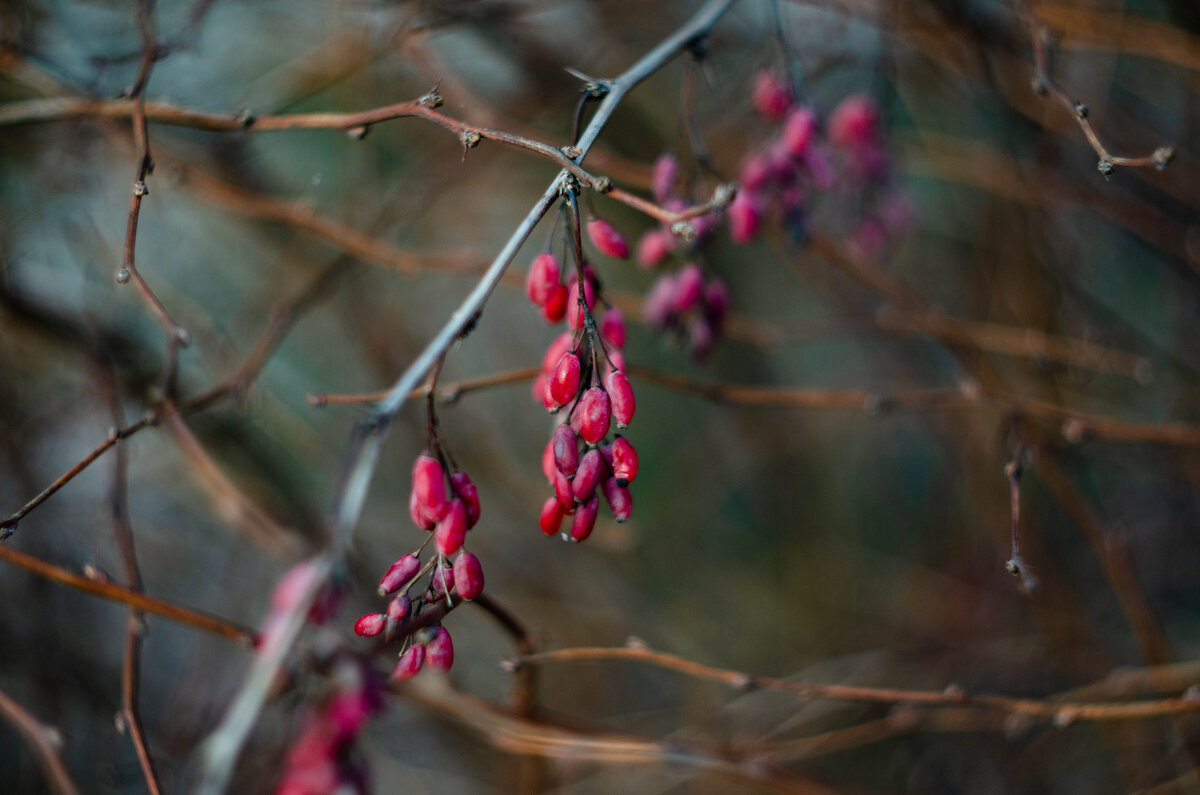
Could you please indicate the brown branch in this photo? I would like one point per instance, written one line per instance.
(119, 593)
(447, 394)
(45, 742)
(1060, 713)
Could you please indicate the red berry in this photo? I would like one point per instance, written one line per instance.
(770, 96)
(452, 528)
(574, 316)
(439, 652)
(666, 168)
(594, 413)
(799, 132)
(591, 467)
(565, 451)
(410, 663)
(563, 492)
(555, 308)
(612, 328)
(441, 581)
(585, 518)
(429, 487)
(756, 173)
(564, 383)
(745, 215)
(542, 278)
(552, 516)
(549, 466)
(560, 345)
(606, 239)
(399, 573)
(468, 576)
(654, 247)
(658, 304)
(618, 498)
(620, 395)
(465, 489)
(370, 625)
(398, 608)
(624, 461)
(689, 287)
(854, 122)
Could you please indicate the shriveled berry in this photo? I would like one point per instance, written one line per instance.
(620, 395)
(689, 287)
(654, 246)
(370, 625)
(543, 277)
(429, 487)
(552, 516)
(555, 308)
(662, 178)
(618, 498)
(799, 132)
(591, 467)
(612, 328)
(399, 573)
(624, 461)
(439, 652)
(399, 608)
(563, 492)
(594, 413)
(410, 663)
(452, 528)
(466, 490)
(468, 576)
(584, 520)
(564, 383)
(565, 451)
(770, 96)
(606, 239)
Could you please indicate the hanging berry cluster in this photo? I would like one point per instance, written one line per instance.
(446, 507)
(583, 374)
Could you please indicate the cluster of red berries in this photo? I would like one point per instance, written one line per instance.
(447, 507)
(847, 156)
(689, 304)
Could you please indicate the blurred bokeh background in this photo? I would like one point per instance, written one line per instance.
(853, 541)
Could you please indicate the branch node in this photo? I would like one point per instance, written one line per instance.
(7, 529)
(572, 152)
(246, 118)
(470, 139)
(1104, 167)
(1081, 110)
(358, 133)
(1163, 155)
(684, 230)
(123, 276)
(431, 100)
(140, 189)
(602, 184)
(724, 194)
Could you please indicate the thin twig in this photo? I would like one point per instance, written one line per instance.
(45, 742)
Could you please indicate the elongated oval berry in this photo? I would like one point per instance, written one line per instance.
(594, 413)
(555, 308)
(370, 625)
(624, 461)
(560, 345)
(452, 528)
(612, 328)
(417, 515)
(549, 466)
(654, 247)
(468, 576)
(441, 581)
(617, 360)
(585, 518)
(429, 486)
(618, 498)
(399, 573)
(575, 317)
(563, 492)
(701, 337)
(466, 490)
(410, 663)
(543, 277)
(662, 178)
(745, 215)
(689, 287)
(606, 239)
(770, 96)
(399, 608)
(552, 516)
(620, 395)
(591, 467)
(854, 122)
(564, 383)
(756, 173)
(799, 132)
(658, 305)
(439, 652)
(565, 451)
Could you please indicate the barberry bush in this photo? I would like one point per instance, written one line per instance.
(599, 396)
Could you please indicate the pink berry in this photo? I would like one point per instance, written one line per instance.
(563, 492)
(701, 337)
(452, 528)
(399, 608)
(565, 451)
(689, 287)
(594, 412)
(618, 498)
(542, 278)
(584, 520)
(441, 582)
(618, 359)
(549, 465)
(820, 170)
(855, 122)
(399, 573)
(574, 316)
(770, 96)
(561, 344)
(756, 173)
(612, 328)
(654, 247)
(555, 308)
(417, 515)
(606, 239)
(439, 652)
(370, 625)
(410, 663)
(552, 516)
(666, 168)
(465, 489)
(468, 576)
(658, 304)
(799, 132)
(620, 396)
(429, 488)
(745, 215)
(591, 467)
(564, 383)
(624, 461)
(705, 224)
